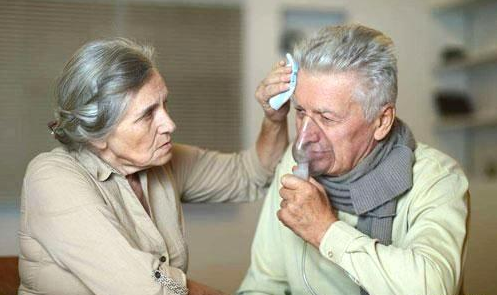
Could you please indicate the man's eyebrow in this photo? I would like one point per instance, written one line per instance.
(294, 101)
(327, 111)
(319, 110)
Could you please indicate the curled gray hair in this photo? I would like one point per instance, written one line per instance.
(354, 48)
(93, 90)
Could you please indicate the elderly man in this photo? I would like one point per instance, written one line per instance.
(382, 213)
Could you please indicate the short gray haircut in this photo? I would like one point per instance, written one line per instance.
(92, 92)
(358, 49)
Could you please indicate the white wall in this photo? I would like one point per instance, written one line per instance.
(219, 236)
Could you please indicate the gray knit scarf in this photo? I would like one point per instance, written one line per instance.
(371, 188)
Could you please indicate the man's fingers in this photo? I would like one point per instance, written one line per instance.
(286, 194)
(281, 215)
(287, 217)
(317, 185)
(292, 182)
(284, 216)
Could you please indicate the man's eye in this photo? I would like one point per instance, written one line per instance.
(327, 119)
(300, 112)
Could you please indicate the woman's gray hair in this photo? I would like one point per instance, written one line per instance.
(93, 90)
(358, 49)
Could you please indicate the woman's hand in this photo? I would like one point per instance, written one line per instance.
(273, 137)
(277, 81)
(195, 288)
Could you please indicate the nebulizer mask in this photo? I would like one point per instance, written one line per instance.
(314, 156)
(311, 150)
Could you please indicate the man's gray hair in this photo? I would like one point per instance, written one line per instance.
(358, 49)
(93, 90)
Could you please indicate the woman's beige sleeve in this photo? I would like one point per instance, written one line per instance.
(209, 176)
(66, 215)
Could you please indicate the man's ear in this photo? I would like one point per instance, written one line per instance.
(384, 122)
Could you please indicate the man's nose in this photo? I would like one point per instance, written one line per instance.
(310, 131)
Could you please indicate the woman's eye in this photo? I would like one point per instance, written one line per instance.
(148, 116)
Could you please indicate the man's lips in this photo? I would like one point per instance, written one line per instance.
(316, 153)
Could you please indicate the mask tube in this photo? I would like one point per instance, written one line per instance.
(300, 152)
(309, 140)
(313, 153)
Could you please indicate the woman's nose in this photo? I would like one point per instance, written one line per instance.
(166, 124)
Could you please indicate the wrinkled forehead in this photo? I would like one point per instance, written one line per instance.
(325, 91)
(153, 91)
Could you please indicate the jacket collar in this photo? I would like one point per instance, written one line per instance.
(97, 167)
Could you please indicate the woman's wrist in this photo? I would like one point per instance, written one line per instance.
(272, 142)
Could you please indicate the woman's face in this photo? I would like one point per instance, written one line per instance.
(142, 138)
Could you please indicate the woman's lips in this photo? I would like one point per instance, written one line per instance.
(166, 145)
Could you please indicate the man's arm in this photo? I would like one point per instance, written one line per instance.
(427, 260)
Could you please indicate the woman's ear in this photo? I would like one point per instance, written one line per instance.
(384, 122)
(99, 145)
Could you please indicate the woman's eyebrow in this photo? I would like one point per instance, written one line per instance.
(147, 111)
(152, 107)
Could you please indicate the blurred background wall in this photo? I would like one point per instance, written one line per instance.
(213, 53)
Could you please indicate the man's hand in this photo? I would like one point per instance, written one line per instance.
(195, 288)
(305, 208)
(277, 81)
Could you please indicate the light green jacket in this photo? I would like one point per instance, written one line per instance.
(426, 257)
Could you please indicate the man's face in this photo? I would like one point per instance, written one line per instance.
(340, 133)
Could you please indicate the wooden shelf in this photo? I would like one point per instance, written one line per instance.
(467, 122)
(474, 61)
(460, 5)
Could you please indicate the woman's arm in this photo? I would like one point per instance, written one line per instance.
(272, 142)
(273, 137)
(208, 176)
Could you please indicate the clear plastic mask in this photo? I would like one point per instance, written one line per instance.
(312, 150)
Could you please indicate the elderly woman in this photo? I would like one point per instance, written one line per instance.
(101, 214)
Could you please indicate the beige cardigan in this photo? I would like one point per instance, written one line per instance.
(83, 231)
